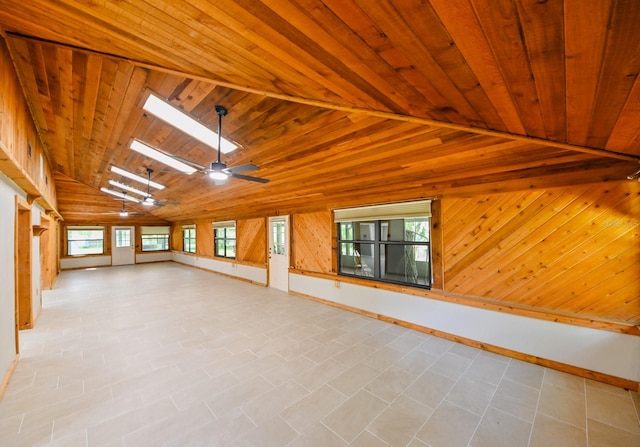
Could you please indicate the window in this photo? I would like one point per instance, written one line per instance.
(155, 238)
(224, 235)
(123, 237)
(85, 241)
(189, 239)
(382, 245)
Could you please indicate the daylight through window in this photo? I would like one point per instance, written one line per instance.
(380, 243)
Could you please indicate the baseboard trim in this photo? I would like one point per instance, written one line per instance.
(559, 366)
(8, 375)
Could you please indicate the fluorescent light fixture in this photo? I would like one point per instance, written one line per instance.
(135, 177)
(162, 158)
(119, 194)
(180, 120)
(127, 187)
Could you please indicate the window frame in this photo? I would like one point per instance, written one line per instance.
(356, 248)
(223, 227)
(188, 234)
(147, 233)
(70, 240)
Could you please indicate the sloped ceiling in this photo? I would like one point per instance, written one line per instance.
(338, 102)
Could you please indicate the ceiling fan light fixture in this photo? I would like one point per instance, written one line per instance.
(180, 120)
(218, 175)
(148, 201)
(124, 213)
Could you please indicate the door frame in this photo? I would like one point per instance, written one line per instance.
(23, 239)
(132, 247)
(287, 246)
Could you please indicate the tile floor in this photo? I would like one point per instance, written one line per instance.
(166, 355)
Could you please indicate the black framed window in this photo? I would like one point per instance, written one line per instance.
(189, 239)
(224, 236)
(390, 250)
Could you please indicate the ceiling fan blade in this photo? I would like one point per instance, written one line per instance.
(243, 168)
(251, 179)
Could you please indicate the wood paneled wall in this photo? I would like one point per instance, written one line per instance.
(573, 250)
(251, 245)
(204, 239)
(312, 246)
(22, 155)
(567, 251)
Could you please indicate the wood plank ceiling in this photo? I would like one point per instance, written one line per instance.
(338, 102)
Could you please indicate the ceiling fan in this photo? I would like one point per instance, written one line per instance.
(148, 200)
(218, 170)
(123, 212)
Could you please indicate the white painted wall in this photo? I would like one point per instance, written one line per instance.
(153, 257)
(257, 275)
(85, 262)
(8, 191)
(592, 349)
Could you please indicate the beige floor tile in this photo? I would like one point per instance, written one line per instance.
(486, 369)
(613, 409)
(354, 354)
(564, 380)
(391, 383)
(604, 435)
(430, 389)
(451, 365)
(606, 387)
(498, 429)
(400, 422)
(366, 439)
(350, 418)
(312, 408)
(465, 351)
(406, 342)
(383, 358)
(108, 361)
(525, 373)
(164, 430)
(516, 399)
(354, 378)
(449, 426)
(318, 436)
(263, 407)
(563, 404)
(435, 345)
(472, 395)
(416, 361)
(319, 375)
(548, 431)
(273, 433)
(129, 422)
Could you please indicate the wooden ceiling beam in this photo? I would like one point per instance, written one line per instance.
(334, 106)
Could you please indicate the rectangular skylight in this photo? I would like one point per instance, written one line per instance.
(162, 158)
(119, 185)
(119, 194)
(180, 120)
(135, 177)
